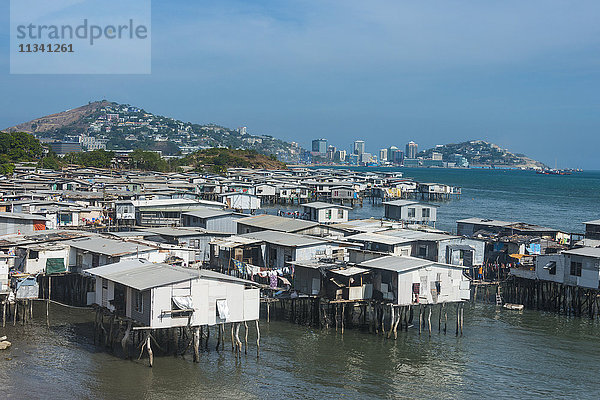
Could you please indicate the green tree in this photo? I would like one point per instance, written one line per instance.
(149, 161)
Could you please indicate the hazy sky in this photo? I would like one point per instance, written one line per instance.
(522, 74)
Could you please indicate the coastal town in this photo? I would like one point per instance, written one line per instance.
(122, 128)
(299, 200)
(164, 258)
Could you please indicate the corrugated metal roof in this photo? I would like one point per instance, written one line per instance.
(319, 205)
(594, 222)
(589, 243)
(396, 263)
(207, 213)
(585, 252)
(30, 217)
(277, 223)
(234, 241)
(480, 221)
(400, 203)
(128, 234)
(411, 234)
(107, 246)
(312, 264)
(365, 225)
(142, 274)
(284, 239)
(174, 202)
(378, 238)
(176, 232)
(349, 271)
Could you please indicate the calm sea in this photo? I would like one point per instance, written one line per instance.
(502, 354)
(561, 202)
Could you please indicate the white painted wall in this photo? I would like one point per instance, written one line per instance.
(37, 265)
(544, 274)
(589, 272)
(453, 284)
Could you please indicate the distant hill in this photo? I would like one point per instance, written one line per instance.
(485, 154)
(218, 159)
(74, 121)
(126, 127)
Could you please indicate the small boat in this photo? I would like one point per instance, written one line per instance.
(517, 307)
(553, 172)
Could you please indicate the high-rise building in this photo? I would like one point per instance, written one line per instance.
(396, 156)
(319, 146)
(383, 155)
(331, 152)
(411, 150)
(359, 147)
(436, 156)
(340, 156)
(365, 158)
(242, 130)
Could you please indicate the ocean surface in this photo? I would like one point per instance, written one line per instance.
(502, 353)
(561, 202)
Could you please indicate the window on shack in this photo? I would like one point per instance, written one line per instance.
(412, 213)
(181, 306)
(551, 267)
(426, 212)
(33, 254)
(576, 268)
(138, 301)
(416, 289)
(340, 213)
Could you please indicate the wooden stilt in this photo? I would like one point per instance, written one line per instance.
(15, 315)
(257, 340)
(218, 336)
(207, 336)
(343, 315)
(462, 318)
(445, 319)
(223, 336)
(4, 313)
(48, 301)
(429, 320)
(382, 312)
(232, 339)
(420, 318)
(457, 317)
(238, 342)
(398, 311)
(149, 349)
(196, 344)
(441, 307)
(126, 339)
(245, 337)
(392, 321)
(109, 339)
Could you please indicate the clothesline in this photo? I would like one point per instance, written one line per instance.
(272, 273)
